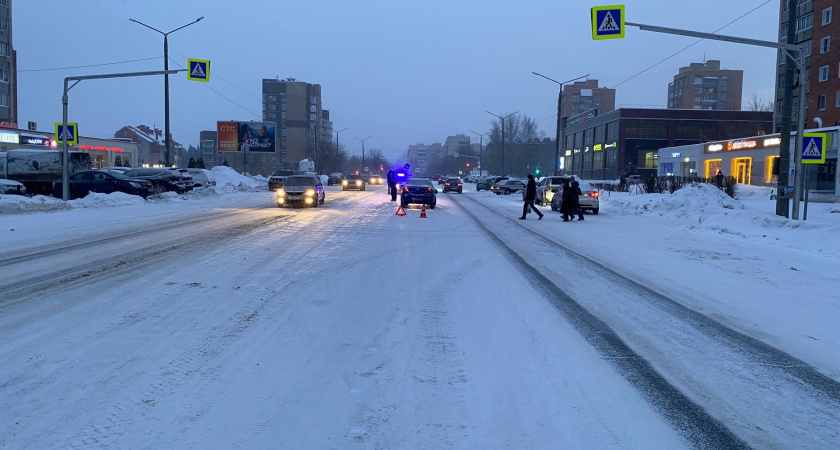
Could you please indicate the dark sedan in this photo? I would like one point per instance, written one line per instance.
(507, 187)
(419, 190)
(163, 180)
(105, 182)
(453, 185)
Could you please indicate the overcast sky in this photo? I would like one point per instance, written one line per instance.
(402, 72)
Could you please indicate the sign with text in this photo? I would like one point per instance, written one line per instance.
(246, 136)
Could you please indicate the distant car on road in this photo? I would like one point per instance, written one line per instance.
(453, 185)
(507, 187)
(419, 190)
(353, 181)
(483, 184)
(375, 179)
(303, 190)
(335, 178)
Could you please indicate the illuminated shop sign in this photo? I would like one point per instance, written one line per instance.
(743, 144)
(675, 155)
(568, 153)
(35, 140)
(7, 137)
(613, 145)
(598, 147)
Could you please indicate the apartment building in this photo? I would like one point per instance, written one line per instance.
(706, 86)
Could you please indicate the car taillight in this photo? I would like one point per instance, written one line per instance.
(447, 184)
(594, 194)
(405, 189)
(430, 189)
(459, 184)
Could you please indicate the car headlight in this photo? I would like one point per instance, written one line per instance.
(281, 192)
(309, 192)
(344, 182)
(358, 182)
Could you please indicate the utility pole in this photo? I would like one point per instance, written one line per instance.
(363, 151)
(480, 148)
(782, 203)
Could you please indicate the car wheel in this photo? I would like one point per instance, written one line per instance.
(507, 191)
(595, 211)
(432, 206)
(344, 189)
(362, 189)
(323, 199)
(159, 189)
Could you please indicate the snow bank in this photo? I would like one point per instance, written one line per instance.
(229, 180)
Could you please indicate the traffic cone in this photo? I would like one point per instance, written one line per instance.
(400, 211)
(423, 212)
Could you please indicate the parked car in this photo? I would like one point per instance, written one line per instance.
(507, 187)
(202, 177)
(419, 190)
(483, 183)
(163, 180)
(12, 187)
(116, 169)
(335, 178)
(353, 181)
(103, 181)
(453, 185)
(303, 190)
(275, 181)
(589, 199)
(185, 177)
(547, 187)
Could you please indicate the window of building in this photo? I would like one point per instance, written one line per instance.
(697, 99)
(826, 16)
(4, 3)
(823, 73)
(837, 100)
(311, 133)
(313, 100)
(272, 98)
(698, 79)
(575, 97)
(646, 129)
(821, 102)
(282, 106)
(270, 115)
(805, 23)
(724, 77)
(598, 160)
(4, 49)
(4, 100)
(4, 24)
(825, 43)
(579, 140)
(4, 75)
(600, 134)
(283, 115)
(312, 117)
(208, 143)
(611, 158)
(783, 30)
(698, 90)
(693, 130)
(612, 132)
(283, 132)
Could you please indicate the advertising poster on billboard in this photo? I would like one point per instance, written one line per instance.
(253, 136)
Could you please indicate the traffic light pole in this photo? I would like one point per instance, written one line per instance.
(790, 50)
(65, 184)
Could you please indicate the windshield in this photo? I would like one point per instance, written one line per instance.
(354, 177)
(299, 181)
(283, 173)
(115, 174)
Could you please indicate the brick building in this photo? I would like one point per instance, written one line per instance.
(706, 86)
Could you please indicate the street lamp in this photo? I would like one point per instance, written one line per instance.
(363, 151)
(503, 136)
(166, 79)
(336, 140)
(480, 148)
(561, 124)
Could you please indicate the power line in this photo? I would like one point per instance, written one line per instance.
(692, 45)
(90, 65)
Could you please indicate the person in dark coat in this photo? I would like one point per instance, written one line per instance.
(392, 185)
(567, 206)
(576, 193)
(530, 196)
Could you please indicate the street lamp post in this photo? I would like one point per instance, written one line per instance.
(336, 140)
(561, 123)
(502, 119)
(480, 148)
(363, 150)
(166, 79)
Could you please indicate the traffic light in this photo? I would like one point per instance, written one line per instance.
(357, 172)
(537, 171)
(468, 165)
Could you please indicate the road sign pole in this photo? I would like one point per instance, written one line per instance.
(800, 137)
(65, 183)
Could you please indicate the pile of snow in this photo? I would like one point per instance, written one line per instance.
(692, 201)
(229, 180)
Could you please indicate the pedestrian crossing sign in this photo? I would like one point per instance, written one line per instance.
(813, 148)
(198, 70)
(608, 22)
(69, 134)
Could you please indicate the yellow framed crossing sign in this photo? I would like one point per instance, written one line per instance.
(607, 22)
(198, 70)
(813, 148)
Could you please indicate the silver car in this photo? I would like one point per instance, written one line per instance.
(589, 199)
(303, 190)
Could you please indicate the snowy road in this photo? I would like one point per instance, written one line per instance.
(230, 323)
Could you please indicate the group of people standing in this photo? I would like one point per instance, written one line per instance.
(569, 206)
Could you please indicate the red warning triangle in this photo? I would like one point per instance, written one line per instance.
(400, 211)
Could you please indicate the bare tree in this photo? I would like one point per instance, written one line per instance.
(758, 103)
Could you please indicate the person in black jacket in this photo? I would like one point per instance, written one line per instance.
(576, 193)
(530, 196)
(567, 204)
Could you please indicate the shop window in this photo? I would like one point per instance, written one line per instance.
(611, 159)
(741, 170)
(769, 163)
(648, 159)
(712, 167)
(598, 160)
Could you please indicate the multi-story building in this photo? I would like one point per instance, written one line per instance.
(804, 30)
(207, 147)
(706, 86)
(422, 156)
(8, 67)
(824, 80)
(582, 96)
(296, 108)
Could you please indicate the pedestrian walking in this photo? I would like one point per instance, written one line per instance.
(567, 205)
(576, 193)
(530, 196)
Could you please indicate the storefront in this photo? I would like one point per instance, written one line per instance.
(103, 152)
(752, 161)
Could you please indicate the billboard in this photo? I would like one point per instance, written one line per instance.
(250, 136)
